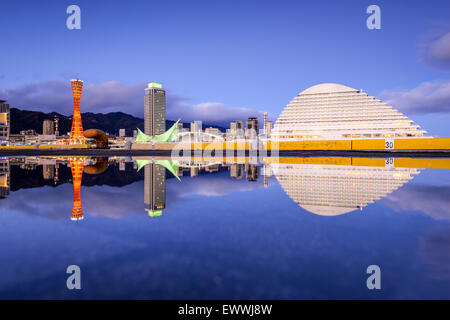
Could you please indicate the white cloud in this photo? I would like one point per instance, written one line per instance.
(435, 49)
(428, 97)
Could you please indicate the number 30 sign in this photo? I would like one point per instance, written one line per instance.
(389, 144)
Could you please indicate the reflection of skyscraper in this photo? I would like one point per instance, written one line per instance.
(236, 170)
(267, 173)
(76, 166)
(194, 172)
(251, 171)
(212, 168)
(331, 190)
(76, 133)
(154, 189)
(154, 109)
(48, 171)
(4, 178)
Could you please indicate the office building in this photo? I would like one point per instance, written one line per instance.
(196, 126)
(236, 130)
(48, 127)
(154, 109)
(332, 111)
(4, 121)
(251, 128)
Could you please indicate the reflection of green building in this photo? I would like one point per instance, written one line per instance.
(154, 189)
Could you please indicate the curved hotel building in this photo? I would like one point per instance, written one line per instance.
(333, 112)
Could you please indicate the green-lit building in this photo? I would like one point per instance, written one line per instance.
(154, 109)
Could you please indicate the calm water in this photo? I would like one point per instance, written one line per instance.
(296, 229)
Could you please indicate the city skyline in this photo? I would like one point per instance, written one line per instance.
(412, 74)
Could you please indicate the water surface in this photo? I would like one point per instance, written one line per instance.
(296, 229)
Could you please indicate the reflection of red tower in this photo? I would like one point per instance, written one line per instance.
(76, 133)
(76, 165)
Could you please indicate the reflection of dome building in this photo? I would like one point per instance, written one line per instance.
(333, 111)
(331, 190)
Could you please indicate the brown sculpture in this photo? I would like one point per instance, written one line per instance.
(101, 139)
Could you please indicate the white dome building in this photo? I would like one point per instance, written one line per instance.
(333, 111)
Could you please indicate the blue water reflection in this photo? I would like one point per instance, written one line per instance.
(223, 237)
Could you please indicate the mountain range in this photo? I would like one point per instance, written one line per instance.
(109, 122)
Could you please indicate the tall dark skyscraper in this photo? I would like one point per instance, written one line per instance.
(154, 109)
(154, 189)
(4, 121)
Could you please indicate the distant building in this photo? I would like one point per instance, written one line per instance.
(251, 128)
(121, 132)
(196, 126)
(45, 139)
(213, 131)
(267, 128)
(4, 121)
(48, 127)
(154, 109)
(194, 172)
(29, 132)
(236, 130)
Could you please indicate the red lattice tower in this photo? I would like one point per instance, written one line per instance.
(76, 166)
(76, 133)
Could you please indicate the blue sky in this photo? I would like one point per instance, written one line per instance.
(229, 58)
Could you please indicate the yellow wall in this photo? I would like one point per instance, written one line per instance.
(311, 145)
